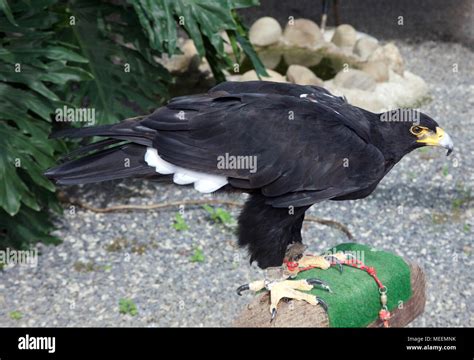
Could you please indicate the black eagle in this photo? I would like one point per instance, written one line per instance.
(307, 146)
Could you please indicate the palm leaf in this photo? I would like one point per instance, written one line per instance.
(76, 53)
(202, 20)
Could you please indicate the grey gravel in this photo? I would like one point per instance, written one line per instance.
(140, 256)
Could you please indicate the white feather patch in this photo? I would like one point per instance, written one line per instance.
(205, 183)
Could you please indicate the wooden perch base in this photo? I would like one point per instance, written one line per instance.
(302, 314)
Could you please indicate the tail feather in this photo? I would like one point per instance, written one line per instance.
(111, 159)
(99, 145)
(130, 130)
(118, 162)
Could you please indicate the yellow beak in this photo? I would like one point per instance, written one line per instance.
(440, 138)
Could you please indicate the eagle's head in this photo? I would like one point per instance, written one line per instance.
(404, 130)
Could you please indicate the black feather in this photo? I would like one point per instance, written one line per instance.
(115, 163)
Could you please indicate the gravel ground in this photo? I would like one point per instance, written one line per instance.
(421, 211)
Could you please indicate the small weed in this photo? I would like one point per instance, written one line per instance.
(463, 198)
(107, 268)
(179, 223)
(16, 315)
(198, 256)
(127, 306)
(219, 215)
(445, 170)
(117, 244)
(80, 266)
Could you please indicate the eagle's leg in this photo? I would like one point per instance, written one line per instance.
(290, 289)
(295, 253)
(280, 287)
(278, 279)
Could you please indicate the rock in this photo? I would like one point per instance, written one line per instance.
(303, 33)
(301, 75)
(270, 57)
(181, 63)
(377, 69)
(355, 79)
(304, 57)
(204, 67)
(364, 100)
(265, 31)
(345, 37)
(364, 47)
(252, 75)
(402, 91)
(368, 100)
(392, 57)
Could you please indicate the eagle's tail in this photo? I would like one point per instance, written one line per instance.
(119, 156)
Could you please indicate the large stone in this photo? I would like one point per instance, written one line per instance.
(270, 57)
(392, 57)
(345, 37)
(405, 91)
(355, 79)
(302, 33)
(252, 75)
(301, 75)
(363, 99)
(180, 63)
(300, 56)
(364, 47)
(265, 31)
(377, 69)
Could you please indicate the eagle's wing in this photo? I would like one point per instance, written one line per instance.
(351, 116)
(305, 151)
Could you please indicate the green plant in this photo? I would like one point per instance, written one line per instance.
(88, 55)
(107, 268)
(127, 306)
(80, 266)
(445, 170)
(467, 228)
(464, 196)
(219, 215)
(16, 315)
(202, 20)
(179, 223)
(198, 255)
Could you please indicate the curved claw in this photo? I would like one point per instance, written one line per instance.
(274, 314)
(323, 303)
(319, 282)
(334, 262)
(242, 288)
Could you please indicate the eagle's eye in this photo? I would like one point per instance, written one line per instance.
(418, 130)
